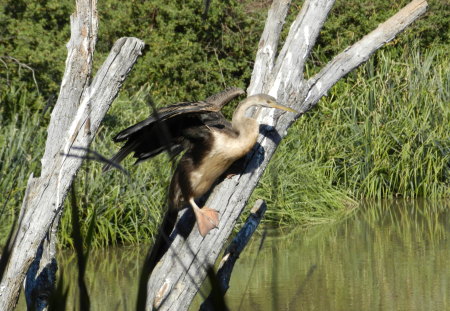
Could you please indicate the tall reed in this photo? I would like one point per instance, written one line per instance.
(383, 131)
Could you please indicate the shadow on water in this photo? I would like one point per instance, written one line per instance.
(393, 255)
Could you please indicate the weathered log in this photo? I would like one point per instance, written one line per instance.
(232, 253)
(176, 279)
(41, 276)
(75, 119)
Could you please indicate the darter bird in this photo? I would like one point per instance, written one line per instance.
(211, 144)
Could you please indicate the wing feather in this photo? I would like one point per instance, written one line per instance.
(174, 128)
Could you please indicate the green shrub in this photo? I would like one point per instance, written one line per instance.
(350, 20)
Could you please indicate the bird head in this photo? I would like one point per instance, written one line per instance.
(264, 100)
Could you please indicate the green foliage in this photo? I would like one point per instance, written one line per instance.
(382, 131)
(349, 20)
(34, 34)
(187, 57)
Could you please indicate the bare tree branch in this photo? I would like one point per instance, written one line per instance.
(74, 121)
(20, 64)
(268, 46)
(169, 280)
(287, 78)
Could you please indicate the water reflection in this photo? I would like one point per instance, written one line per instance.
(389, 256)
(386, 256)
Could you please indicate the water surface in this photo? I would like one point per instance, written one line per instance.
(392, 256)
(385, 256)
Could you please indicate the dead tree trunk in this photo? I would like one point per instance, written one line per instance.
(177, 277)
(81, 106)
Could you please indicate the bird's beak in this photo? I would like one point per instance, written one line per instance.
(282, 107)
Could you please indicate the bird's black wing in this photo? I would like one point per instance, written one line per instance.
(167, 113)
(152, 136)
(213, 103)
(174, 128)
(178, 133)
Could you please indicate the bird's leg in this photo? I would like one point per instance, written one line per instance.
(207, 218)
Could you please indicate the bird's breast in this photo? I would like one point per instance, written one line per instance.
(232, 147)
(224, 151)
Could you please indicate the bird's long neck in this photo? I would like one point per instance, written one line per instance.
(241, 122)
(247, 128)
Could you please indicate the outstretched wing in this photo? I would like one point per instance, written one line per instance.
(166, 115)
(173, 128)
(213, 103)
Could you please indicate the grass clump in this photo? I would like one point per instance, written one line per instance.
(383, 131)
(21, 140)
(128, 209)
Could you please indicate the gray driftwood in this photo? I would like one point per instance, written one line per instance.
(176, 279)
(80, 108)
(232, 253)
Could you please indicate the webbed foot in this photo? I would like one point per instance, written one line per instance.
(207, 219)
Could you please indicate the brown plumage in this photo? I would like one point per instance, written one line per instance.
(211, 142)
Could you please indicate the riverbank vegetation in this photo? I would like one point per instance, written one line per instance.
(381, 132)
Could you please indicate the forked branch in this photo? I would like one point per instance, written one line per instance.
(176, 281)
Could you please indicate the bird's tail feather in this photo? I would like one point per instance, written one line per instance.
(119, 156)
